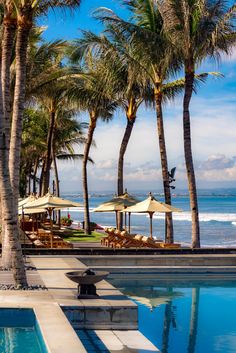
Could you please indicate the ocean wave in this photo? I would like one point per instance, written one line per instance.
(182, 216)
(203, 217)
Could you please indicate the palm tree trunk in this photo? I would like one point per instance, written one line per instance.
(123, 147)
(29, 184)
(34, 176)
(92, 126)
(41, 179)
(12, 174)
(9, 29)
(57, 184)
(18, 108)
(9, 215)
(189, 80)
(169, 233)
(56, 175)
(48, 161)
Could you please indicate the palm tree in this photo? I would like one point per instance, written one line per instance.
(198, 29)
(33, 147)
(152, 51)
(68, 134)
(132, 86)
(93, 90)
(9, 172)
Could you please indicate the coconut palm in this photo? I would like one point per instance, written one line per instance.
(25, 13)
(9, 172)
(198, 29)
(155, 57)
(158, 59)
(43, 67)
(68, 134)
(132, 85)
(93, 90)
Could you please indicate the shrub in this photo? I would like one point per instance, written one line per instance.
(66, 221)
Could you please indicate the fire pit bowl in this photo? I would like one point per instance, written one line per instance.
(86, 282)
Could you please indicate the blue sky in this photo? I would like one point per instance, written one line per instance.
(213, 114)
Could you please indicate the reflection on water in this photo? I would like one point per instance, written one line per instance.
(185, 315)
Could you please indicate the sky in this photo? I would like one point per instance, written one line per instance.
(213, 126)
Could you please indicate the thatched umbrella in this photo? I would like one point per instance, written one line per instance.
(117, 204)
(150, 206)
(50, 203)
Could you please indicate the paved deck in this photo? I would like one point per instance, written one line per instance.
(111, 310)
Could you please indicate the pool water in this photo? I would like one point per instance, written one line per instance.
(19, 332)
(185, 315)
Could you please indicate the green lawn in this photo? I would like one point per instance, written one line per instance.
(79, 235)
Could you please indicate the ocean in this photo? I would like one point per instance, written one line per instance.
(217, 217)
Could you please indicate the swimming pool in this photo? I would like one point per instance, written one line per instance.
(19, 332)
(185, 315)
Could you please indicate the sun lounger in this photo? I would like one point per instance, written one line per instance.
(130, 241)
(170, 246)
(38, 244)
(112, 236)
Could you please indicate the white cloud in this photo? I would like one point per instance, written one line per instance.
(231, 56)
(217, 162)
(213, 126)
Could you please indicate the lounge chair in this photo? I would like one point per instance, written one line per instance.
(38, 244)
(170, 246)
(130, 241)
(111, 235)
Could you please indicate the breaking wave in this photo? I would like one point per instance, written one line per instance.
(204, 217)
(182, 216)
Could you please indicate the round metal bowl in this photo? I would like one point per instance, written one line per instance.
(82, 277)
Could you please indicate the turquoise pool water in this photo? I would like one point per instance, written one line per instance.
(19, 332)
(185, 315)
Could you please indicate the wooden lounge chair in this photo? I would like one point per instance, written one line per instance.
(149, 242)
(110, 235)
(170, 246)
(130, 241)
(116, 239)
(38, 244)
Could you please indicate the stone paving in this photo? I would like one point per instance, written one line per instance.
(108, 314)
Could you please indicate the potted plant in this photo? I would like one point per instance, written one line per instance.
(66, 221)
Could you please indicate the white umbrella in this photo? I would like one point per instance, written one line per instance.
(118, 203)
(150, 206)
(50, 203)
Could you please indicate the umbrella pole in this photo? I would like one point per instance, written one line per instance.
(116, 219)
(151, 214)
(23, 218)
(129, 221)
(125, 220)
(22, 226)
(51, 225)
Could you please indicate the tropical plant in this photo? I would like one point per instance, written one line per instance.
(93, 90)
(66, 221)
(132, 85)
(198, 29)
(23, 12)
(156, 59)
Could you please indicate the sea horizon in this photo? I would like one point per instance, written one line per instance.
(144, 192)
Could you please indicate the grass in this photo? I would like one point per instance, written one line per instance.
(79, 235)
